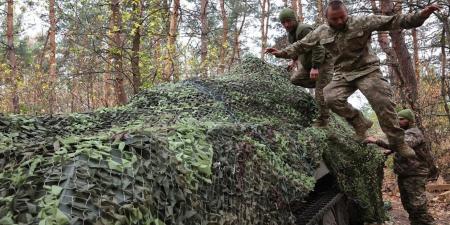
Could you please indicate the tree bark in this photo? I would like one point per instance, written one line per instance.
(136, 45)
(235, 55)
(294, 6)
(116, 53)
(204, 38)
(443, 74)
(224, 43)
(414, 34)
(301, 18)
(407, 71)
(264, 20)
(169, 69)
(319, 18)
(11, 55)
(392, 61)
(52, 60)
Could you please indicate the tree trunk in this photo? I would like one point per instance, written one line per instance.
(416, 54)
(414, 34)
(301, 18)
(108, 82)
(135, 60)
(204, 38)
(264, 20)
(169, 69)
(319, 18)
(224, 43)
(11, 55)
(392, 61)
(116, 53)
(235, 55)
(405, 62)
(443, 74)
(52, 60)
(294, 6)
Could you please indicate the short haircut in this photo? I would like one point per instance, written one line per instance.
(334, 5)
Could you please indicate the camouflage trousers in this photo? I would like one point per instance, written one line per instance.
(301, 78)
(414, 200)
(377, 91)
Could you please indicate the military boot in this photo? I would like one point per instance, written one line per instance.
(360, 124)
(320, 122)
(405, 151)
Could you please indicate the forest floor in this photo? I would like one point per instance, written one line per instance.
(438, 203)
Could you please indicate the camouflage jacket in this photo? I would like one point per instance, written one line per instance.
(313, 58)
(350, 48)
(411, 167)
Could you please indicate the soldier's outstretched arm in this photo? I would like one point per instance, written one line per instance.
(304, 45)
(398, 21)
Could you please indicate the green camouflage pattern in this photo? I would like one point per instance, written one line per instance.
(419, 166)
(414, 199)
(237, 149)
(314, 57)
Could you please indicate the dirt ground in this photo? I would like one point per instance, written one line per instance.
(438, 206)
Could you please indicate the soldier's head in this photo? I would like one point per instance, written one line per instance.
(406, 118)
(336, 14)
(288, 19)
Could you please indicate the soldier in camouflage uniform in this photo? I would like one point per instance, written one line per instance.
(356, 66)
(309, 64)
(412, 173)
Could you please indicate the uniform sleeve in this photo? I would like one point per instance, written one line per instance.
(318, 55)
(317, 52)
(383, 144)
(302, 46)
(413, 137)
(398, 21)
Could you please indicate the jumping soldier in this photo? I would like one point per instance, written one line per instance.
(309, 64)
(356, 66)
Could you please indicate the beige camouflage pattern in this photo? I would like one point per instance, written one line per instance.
(356, 66)
(351, 51)
(377, 91)
(414, 199)
(301, 78)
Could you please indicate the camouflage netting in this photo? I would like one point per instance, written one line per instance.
(237, 149)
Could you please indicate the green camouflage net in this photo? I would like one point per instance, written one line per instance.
(237, 149)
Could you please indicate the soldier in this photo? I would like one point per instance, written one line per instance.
(309, 64)
(412, 173)
(347, 39)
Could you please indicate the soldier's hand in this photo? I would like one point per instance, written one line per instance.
(370, 140)
(314, 74)
(291, 66)
(277, 53)
(427, 11)
(387, 152)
